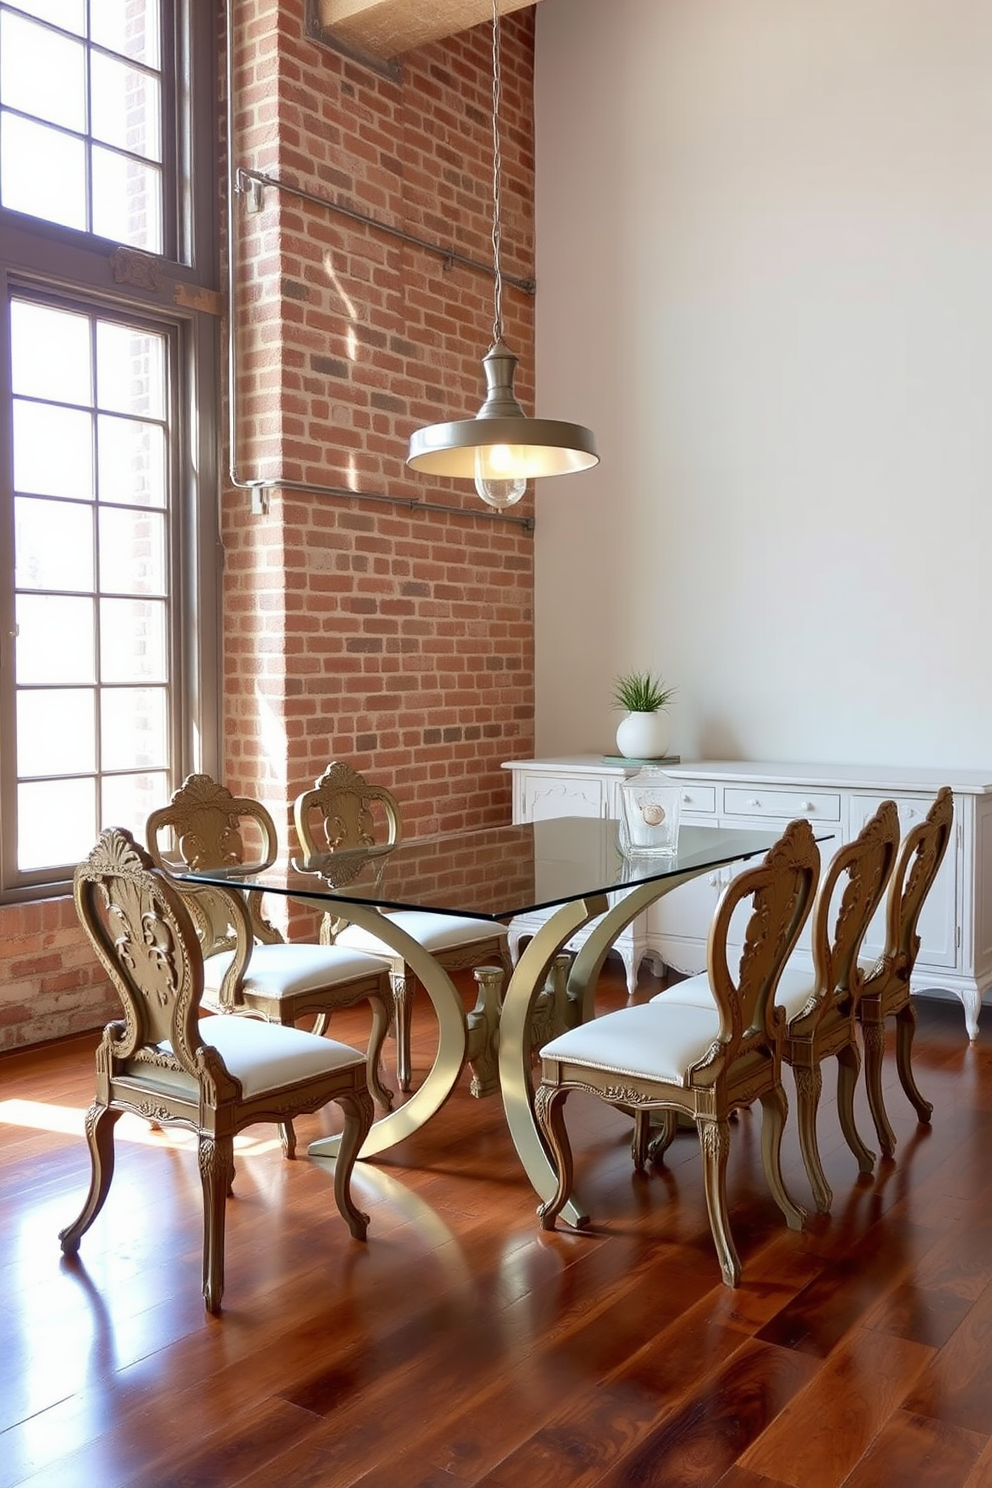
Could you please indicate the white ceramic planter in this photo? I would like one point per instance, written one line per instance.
(643, 736)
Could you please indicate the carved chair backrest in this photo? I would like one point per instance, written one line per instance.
(139, 927)
(867, 864)
(210, 828)
(781, 891)
(347, 812)
(920, 857)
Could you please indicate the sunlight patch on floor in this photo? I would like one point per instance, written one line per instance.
(68, 1120)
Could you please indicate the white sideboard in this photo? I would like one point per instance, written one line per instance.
(956, 924)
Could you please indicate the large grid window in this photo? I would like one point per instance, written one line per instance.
(82, 127)
(92, 507)
(109, 390)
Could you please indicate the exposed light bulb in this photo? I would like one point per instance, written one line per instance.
(498, 477)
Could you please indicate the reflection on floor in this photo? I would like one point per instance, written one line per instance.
(463, 1346)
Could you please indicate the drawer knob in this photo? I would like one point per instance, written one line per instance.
(686, 799)
(808, 806)
(754, 801)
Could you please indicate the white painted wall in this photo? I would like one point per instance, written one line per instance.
(765, 280)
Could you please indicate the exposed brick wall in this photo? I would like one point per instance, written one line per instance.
(399, 639)
(51, 983)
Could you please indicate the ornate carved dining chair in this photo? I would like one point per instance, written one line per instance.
(698, 1062)
(213, 1076)
(886, 989)
(821, 1003)
(344, 810)
(248, 967)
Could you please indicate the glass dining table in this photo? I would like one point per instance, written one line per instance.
(571, 866)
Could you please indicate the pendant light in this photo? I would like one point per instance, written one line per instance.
(501, 449)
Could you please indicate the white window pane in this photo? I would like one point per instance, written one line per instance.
(56, 732)
(129, 800)
(55, 641)
(56, 823)
(131, 461)
(92, 437)
(134, 729)
(133, 30)
(132, 551)
(53, 545)
(42, 73)
(50, 353)
(69, 14)
(127, 200)
(42, 172)
(130, 370)
(126, 107)
(133, 640)
(53, 450)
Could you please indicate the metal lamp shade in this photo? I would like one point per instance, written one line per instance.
(521, 447)
(527, 447)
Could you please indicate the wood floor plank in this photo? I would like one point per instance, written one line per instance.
(819, 1437)
(981, 1474)
(739, 1477)
(550, 1364)
(702, 1438)
(912, 1449)
(463, 1346)
(922, 1314)
(182, 1462)
(676, 1358)
(956, 1388)
(819, 1316)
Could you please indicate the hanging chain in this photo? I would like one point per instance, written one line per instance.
(497, 165)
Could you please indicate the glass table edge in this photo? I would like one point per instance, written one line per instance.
(279, 883)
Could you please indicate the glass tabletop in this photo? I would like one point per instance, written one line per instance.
(493, 872)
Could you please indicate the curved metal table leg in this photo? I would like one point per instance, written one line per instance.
(526, 983)
(451, 1047)
(516, 1083)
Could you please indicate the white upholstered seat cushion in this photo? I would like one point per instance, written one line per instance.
(264, 1056)
(283, 970)
(695, 991)
(795, 987)
(435, 932)
(794, 990)
(653, 1040)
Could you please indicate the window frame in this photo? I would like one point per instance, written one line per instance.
(179, 296)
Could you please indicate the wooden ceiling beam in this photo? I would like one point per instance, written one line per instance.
(387, 28)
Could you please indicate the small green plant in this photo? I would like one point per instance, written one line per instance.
(641, 692)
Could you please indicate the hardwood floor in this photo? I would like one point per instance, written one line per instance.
(461, 1345)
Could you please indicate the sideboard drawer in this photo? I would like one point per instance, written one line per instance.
(541, 797)
(699, 798)
(755, 801)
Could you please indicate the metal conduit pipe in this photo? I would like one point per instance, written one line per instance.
(236, 179)
(249, 178)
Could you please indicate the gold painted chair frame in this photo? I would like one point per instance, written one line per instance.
(821, 1007)
(210, 829)
(344, 811)
(827, 1025)
(741, 1064)
(160, 1062)
(886, 990)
